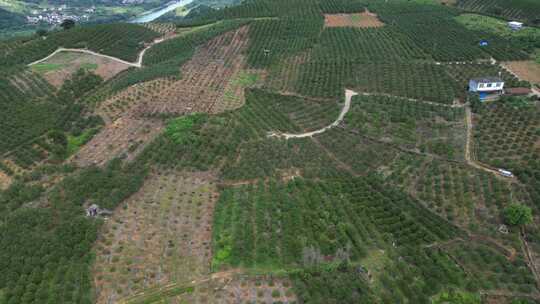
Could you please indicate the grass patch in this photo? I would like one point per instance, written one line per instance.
(493, 25)
(89, 66)
(46, 67)
(242, 80)
(456, 297)
(75, 142)
(179, 129)
(528, 37)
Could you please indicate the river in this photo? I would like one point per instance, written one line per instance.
(156, 13)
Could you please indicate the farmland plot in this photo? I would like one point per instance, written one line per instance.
(202, 87)
(126, 136)
(506, 133)
(160, 235)
(61, 66)
(461, 194)
(240, 288)
(426, 128)
(492, 270)
(227, 287)
(527, 70)
(365, 19)
(506, 136)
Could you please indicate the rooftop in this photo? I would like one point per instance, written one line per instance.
(487, 79)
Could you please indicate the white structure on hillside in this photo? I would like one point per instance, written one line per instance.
(486, 86)
(515, 25)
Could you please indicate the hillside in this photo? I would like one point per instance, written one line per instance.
(274, 151)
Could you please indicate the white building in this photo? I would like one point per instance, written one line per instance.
(486, 86)
(515, 25)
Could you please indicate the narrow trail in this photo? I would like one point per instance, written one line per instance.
(453, 105)
(178, 288)
(529, 258)
(468, 149)
(346, 107)
(137, 64)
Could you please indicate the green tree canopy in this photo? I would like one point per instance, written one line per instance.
(517, 215)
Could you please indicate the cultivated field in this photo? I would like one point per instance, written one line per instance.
(161, 235)
(126, 136)
(61, 66)
(527, 70)
(211, 82)
(365, 19)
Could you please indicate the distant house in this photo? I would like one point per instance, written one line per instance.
(515, 25)
(486, 87)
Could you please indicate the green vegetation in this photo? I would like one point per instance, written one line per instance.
(518, 215)
(46, 67)
(49, 248)
(382, 208)
(89, 66)
(179, 129)
(120, 40)
(178, 50)
(74, 142)
(26, 118)
(506, 136)
(398, 121)
(457, 297)
(363, 214)
(526, 10)
(528, 38)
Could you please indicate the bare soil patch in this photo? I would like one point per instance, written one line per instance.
(126, 135)
(159, 236)
(205, 80)
(362, 20)
(526, 70)
(240, 288)
(5, 180)
(68, 63)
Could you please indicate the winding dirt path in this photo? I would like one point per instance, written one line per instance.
(468, 149)
(346, 107)
(137, 64)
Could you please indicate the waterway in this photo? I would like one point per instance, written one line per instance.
(156, 13)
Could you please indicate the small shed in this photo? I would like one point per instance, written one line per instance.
(515, 25)
(94, 210)
(518, 91)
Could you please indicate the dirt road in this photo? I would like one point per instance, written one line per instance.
(136, 64)
(346, 107)
(468, 147)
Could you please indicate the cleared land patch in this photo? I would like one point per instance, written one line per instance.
(526, 70)
(126, 136)
(365, 19)
(63, 65)
(160, 235)
(204, 83)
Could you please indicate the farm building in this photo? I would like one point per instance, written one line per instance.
(486, 87)
(515, 25)
(518, 91)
